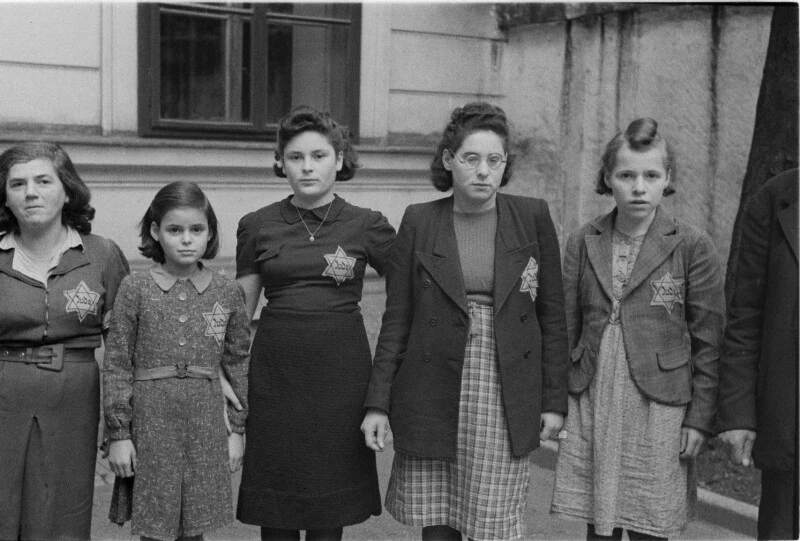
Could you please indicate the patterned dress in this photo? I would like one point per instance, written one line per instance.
(182, 483)
(619, 466)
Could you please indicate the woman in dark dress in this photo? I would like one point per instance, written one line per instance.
(305, 465)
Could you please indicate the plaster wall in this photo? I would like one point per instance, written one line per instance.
(695, 69)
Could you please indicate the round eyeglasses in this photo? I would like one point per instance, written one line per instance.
(472, 161)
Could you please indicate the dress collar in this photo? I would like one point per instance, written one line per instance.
(165, 280)
(9, 240)
(291, 216)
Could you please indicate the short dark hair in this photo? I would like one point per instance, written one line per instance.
(180, 194)
(641, 136)
(464, 121)
(76, 213)
(306, 118)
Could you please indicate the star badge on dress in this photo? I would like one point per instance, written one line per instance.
(217, 322)
(667, 292)
(340, 266)
(82, 300)
(530, 279)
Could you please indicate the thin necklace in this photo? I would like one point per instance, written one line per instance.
(310, 234)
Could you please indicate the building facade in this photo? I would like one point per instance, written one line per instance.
(145, 94)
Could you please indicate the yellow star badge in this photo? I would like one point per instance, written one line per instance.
(340, 266)
(530, 279)
(217, 322)
(666, 292)
(82, 300)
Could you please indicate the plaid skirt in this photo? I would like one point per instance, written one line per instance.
(483, 492)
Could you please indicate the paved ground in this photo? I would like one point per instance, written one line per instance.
(539, 523)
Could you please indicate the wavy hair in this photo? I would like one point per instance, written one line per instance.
(76, 213)
(306, 118)
(464, 121)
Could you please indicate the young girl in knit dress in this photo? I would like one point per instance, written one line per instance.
(172, 328)
(644, 304)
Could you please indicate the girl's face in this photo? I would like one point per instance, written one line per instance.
(637, 182)
(35, 194)
(475, 182)
(310, 163)
(183, 235)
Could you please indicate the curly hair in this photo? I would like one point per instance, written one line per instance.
(76, 213)
(464, 121)
(641, 136)
(180, 194)
(306, 118)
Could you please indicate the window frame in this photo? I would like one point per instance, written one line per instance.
(257, 128)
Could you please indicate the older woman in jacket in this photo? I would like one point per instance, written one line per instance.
(471, 361)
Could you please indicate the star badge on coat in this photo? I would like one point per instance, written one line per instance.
(82, 300)
(340, 266)
(667, 291)
(530, 279)
(217, 322)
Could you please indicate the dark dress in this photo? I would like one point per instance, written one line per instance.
(305, 464)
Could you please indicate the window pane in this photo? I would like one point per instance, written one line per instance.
(201, 78)
(330, 11)
(306, 65)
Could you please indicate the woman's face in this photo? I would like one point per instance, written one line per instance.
(475, 183)
(35, 194)
(310, 163)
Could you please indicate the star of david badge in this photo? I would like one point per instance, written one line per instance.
(340, 266)
(217, 322)
(530, 279)
(81, 300)
(666, 292)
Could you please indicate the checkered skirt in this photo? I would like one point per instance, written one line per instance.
(483, 492)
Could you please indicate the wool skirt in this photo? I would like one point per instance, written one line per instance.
(483, 492)
(305, 463)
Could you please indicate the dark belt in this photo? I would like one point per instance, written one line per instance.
(180, 371)
(50, 357)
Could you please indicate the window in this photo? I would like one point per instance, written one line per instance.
(232, 70)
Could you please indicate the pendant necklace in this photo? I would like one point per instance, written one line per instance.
(310, 234)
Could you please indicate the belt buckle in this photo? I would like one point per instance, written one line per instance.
(181, 370)
(55, 353)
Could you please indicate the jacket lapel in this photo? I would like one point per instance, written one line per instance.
(659, 242)
(787, 217)
(508, 266)
(599, 251)
(444, 264)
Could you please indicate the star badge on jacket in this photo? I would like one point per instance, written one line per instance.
(340, 266)
(82, 300)
(667, 292)
(530, 279)
(217, 322)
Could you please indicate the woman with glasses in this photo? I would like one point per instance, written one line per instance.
(471, 363)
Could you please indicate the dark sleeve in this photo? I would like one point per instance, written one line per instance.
(118, 363)
(236, 356)
(705, 304)
(572, 288)
(397, 317)
(738, 374)
(116, 268)
(379, 240)
(550, 312)
(246, 247)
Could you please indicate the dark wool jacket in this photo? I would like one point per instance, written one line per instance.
(420, 354)
(758, 377)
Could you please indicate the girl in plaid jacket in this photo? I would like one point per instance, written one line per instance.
(644, 305)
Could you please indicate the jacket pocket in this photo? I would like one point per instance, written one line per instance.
(673, 358)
